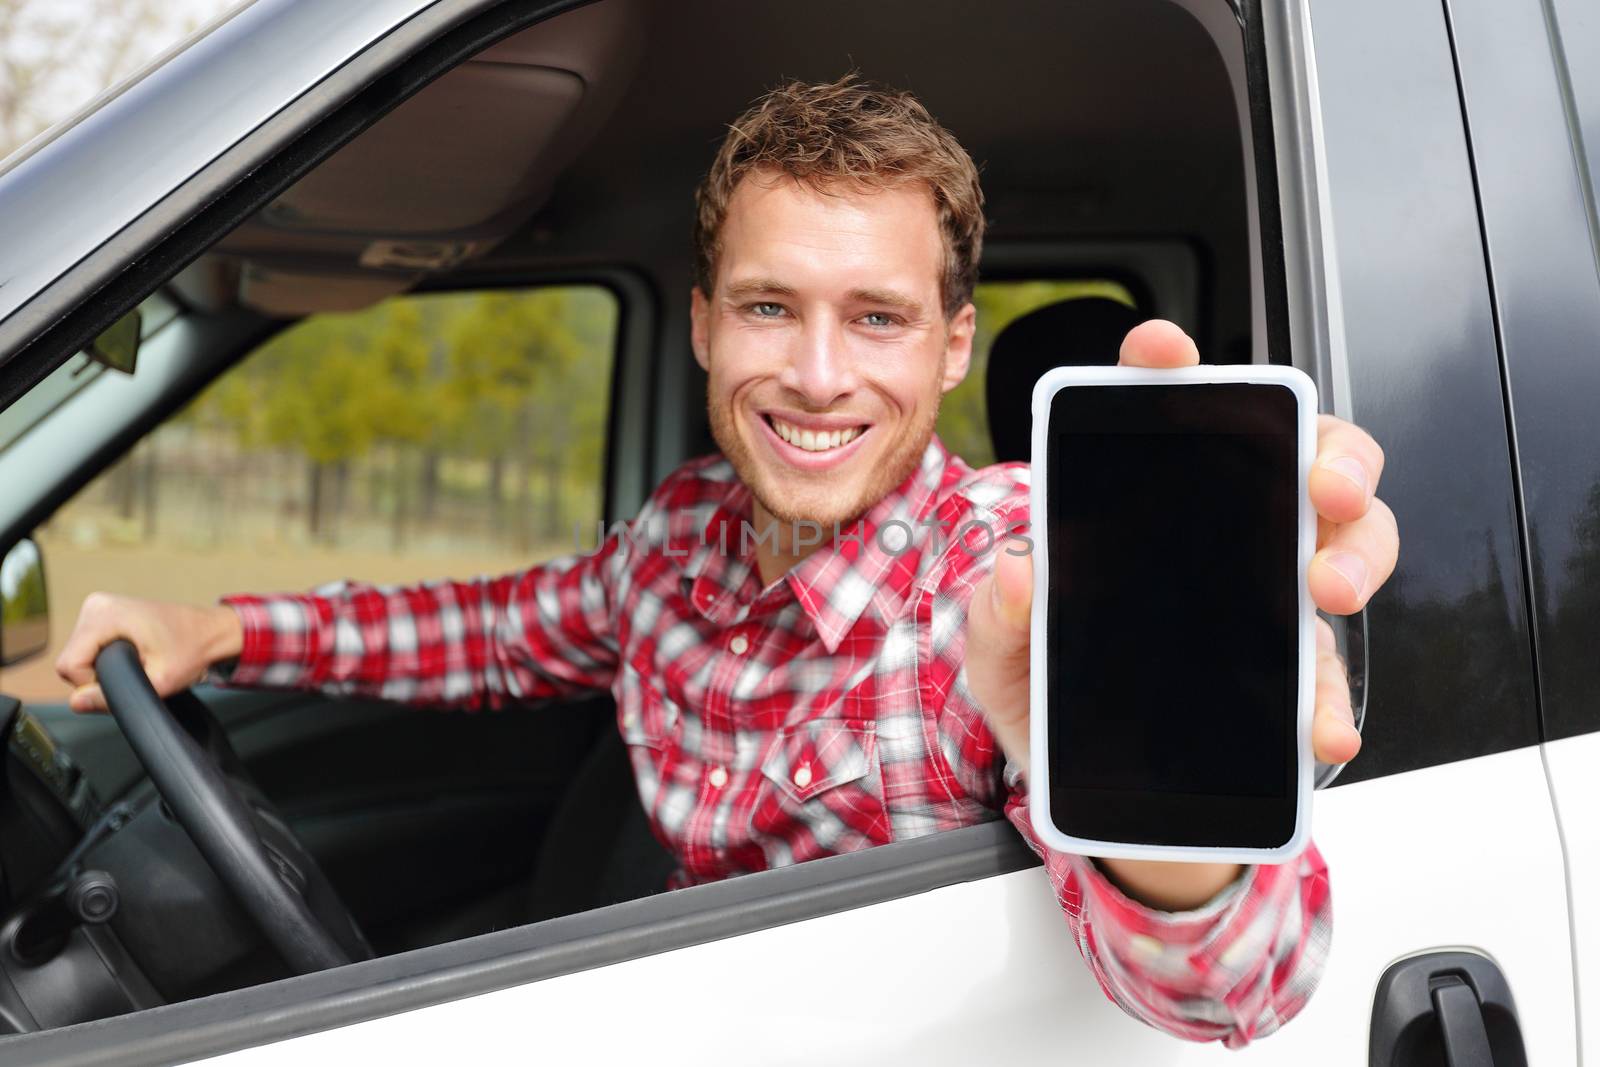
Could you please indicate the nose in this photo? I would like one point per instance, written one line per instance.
(820, 369)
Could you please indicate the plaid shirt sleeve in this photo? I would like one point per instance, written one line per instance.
(1232, 970)
(538, 633)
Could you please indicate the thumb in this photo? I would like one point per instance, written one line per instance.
(1012, 594)
(997, 649)
(1001, 607)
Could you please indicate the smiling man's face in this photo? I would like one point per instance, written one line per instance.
(826, 342)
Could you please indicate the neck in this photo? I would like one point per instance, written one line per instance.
(776, 550)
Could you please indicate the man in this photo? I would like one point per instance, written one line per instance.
(788, 693)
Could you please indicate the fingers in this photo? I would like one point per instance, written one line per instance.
(93, 631)
(1157, 343)
(1344, 478)
(1334, 738)
(1355, 559)
(1012, 595)
(1359, 540)
(998, 651)
(87, 698)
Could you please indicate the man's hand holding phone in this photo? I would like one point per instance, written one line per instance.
(1357, 544)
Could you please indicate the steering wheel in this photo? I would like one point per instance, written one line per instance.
(251, 849)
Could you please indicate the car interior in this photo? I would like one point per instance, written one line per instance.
(1109, 139)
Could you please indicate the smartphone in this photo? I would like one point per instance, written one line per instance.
(1173, 644)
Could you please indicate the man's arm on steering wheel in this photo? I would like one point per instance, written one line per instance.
(537, 633)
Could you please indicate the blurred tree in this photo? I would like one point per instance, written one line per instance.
(512, 383)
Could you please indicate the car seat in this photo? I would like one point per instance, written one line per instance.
(1085, 332)
(598, 848)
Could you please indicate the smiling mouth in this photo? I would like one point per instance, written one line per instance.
(812, 440)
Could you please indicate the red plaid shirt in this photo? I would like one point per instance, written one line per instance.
(825, 713)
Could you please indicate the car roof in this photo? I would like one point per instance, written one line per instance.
(580, 138)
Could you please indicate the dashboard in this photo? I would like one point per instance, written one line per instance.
(105, 904)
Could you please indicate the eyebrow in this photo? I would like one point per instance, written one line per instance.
(759, 287)
(889, 298)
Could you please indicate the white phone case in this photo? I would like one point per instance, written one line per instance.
(1305, 393)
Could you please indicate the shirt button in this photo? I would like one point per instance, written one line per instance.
(739, 645)
(719, 777)
(802, 777)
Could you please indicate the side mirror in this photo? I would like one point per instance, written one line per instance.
(118, 347)
(24, 608)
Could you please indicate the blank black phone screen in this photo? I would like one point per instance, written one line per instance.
(1172, 612)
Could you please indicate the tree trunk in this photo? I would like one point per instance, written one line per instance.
(521, 519)
(148, 485)
(554, 467)
(428, 503)
(497, 496)
(314, 499)
(340, 494)
(397, 528)
(551, 527)
(125, 487)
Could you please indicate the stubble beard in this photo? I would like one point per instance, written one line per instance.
(894, 469)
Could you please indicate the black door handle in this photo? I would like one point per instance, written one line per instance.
(1452, 1008)
(1466, 1040)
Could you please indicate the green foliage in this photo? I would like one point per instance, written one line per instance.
(517, 379)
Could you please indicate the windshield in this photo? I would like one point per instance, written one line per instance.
(61, 384)
(60, 60)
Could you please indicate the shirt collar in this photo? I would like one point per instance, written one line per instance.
(720, 577)
(873, 563)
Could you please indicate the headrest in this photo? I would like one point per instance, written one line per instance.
(1086, 332)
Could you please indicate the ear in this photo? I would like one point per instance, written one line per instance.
(699, 323)
(958, 347)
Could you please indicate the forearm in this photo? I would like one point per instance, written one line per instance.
(1170, 886)
(483, 642)
(1212, 952)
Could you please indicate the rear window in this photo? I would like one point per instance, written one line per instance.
(963, 416)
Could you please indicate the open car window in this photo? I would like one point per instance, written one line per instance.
(449, 434)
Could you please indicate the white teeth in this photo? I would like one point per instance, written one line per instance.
(812, 441)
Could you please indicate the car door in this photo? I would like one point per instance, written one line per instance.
(1531, 90)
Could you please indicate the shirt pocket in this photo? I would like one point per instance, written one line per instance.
(820, 791)
(649, 727)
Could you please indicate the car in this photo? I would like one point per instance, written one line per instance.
(257, 268)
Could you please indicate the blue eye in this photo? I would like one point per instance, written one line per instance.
(877, 318)
(767, 311)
